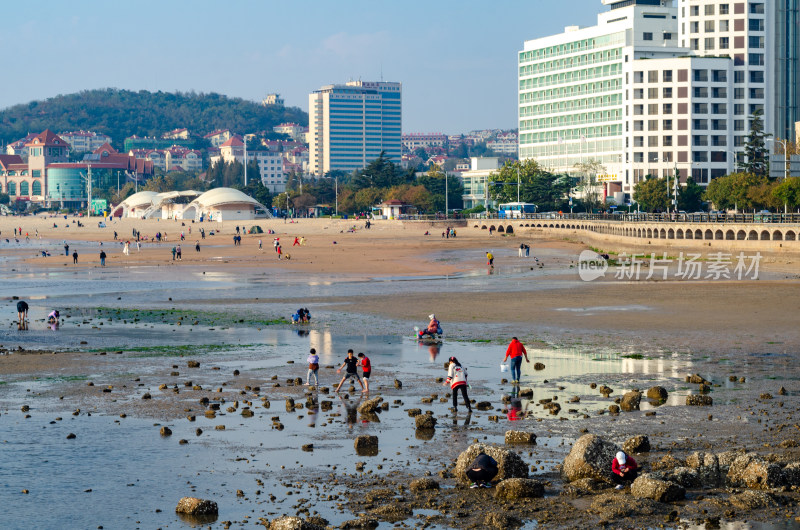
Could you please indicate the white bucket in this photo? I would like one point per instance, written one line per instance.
(503, 367)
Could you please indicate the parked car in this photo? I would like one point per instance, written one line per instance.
(763, 216)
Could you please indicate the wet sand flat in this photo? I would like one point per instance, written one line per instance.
(131, 328)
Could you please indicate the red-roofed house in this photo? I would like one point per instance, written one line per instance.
(218, 137)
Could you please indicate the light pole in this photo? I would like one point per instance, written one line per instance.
(446, 198)
(337, 195)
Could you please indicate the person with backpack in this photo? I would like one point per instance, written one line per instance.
(313, 368)
(457, 379)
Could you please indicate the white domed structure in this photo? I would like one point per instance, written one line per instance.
(135, 205)
(224, 204)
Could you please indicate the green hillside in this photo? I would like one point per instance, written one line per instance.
(122, 113)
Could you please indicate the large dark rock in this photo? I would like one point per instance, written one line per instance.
(392, 512)
(648, 487)
(697, 400)
(683, 476)
(520, 437)
(630, 401)
(509, 463)
(519, 488)
(751, 471)
(791, 474)
(293, 523)
(590, 457)
(195, 506)
(753, 500)
(637, 444)
(613, 506)
(501, 521)
(424, 484)
(657, 393)
(697, 380)
(370, 405)
(707, 467)
(425, 421)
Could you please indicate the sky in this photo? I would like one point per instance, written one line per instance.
(455, 58)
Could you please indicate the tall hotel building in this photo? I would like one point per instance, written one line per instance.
(350, 124)
(655, 86)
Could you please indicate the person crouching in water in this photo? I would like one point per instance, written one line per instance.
(52, 318)
(482, 470)
(624, 470)
(457, 379)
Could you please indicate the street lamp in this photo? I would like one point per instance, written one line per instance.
(337, 195)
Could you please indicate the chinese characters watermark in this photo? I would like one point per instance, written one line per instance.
(687, 266)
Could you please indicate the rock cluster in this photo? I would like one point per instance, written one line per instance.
(509, 463)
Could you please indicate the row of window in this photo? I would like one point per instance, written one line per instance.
(571, 62)
(710, 43)
(756, 8)
(571, 105)
(25, 188)
(564, 135)
(572, 119)
(572, 91)
(571, 77)
(573, 47)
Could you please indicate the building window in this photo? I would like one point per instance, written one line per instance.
(647, 36)
(667, 125)
(652, 93)
(652, 125)
(668, 35)
(724, 9)
(652, 76)
(709, 9)
(709, 43)
(709, 26)
(756, 59)
(756, 76)
(719, 76)
(652, 141)
(700, 75)
(694, 44)
(694, 11)
(757, 8)
(667, 108)
(724, 26)
(666, 76)
(756, 42)
(667, 141)
(738, 93)
(638, 77)
(666, 92)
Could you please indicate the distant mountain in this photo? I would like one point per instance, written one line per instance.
(122, 113)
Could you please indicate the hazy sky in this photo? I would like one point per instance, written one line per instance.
(456, 59)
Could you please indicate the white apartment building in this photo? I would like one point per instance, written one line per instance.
(657, 86)
(293, 130)
(184, 158)
(476, 181)
(270, 164)
(84, 141)
(218, 137)
(413, 141)
(504, 144)
(350, 124)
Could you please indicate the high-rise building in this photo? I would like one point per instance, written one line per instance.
(350, 124)
(658, 86)
(787, 67)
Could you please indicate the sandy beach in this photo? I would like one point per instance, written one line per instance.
(131, 327)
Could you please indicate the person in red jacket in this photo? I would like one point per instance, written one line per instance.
(515, 351)
(366, 368)
(457, 379)
(624, 470)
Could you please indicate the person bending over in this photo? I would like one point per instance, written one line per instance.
(624, 470)
(482, 470)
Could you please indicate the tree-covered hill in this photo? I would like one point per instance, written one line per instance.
(122, 113)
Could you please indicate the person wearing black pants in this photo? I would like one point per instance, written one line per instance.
(457, 379)
(482, 470)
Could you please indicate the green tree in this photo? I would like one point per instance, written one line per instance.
(788, 192)
(536, 185)
(731, 191)
(690, 196)
(256, 190)
(365, 199)
(651, 194)
(755, 149)
(589, 171)
(282, 201)
(434, 182)
(5, 198)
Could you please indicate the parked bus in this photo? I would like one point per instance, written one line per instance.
(515, 210)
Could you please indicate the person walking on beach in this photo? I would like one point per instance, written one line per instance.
(457, 379)
(22, 311)
(313, 368)
(515, 352)
(366, 370)
(178, 252)
(197, 245)
(66, 249)
(279, 250)
(102, 258)
(259, 245)
(174, 251)
(490, 259)
(296, 241)
(352, 370)
(74, 257)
